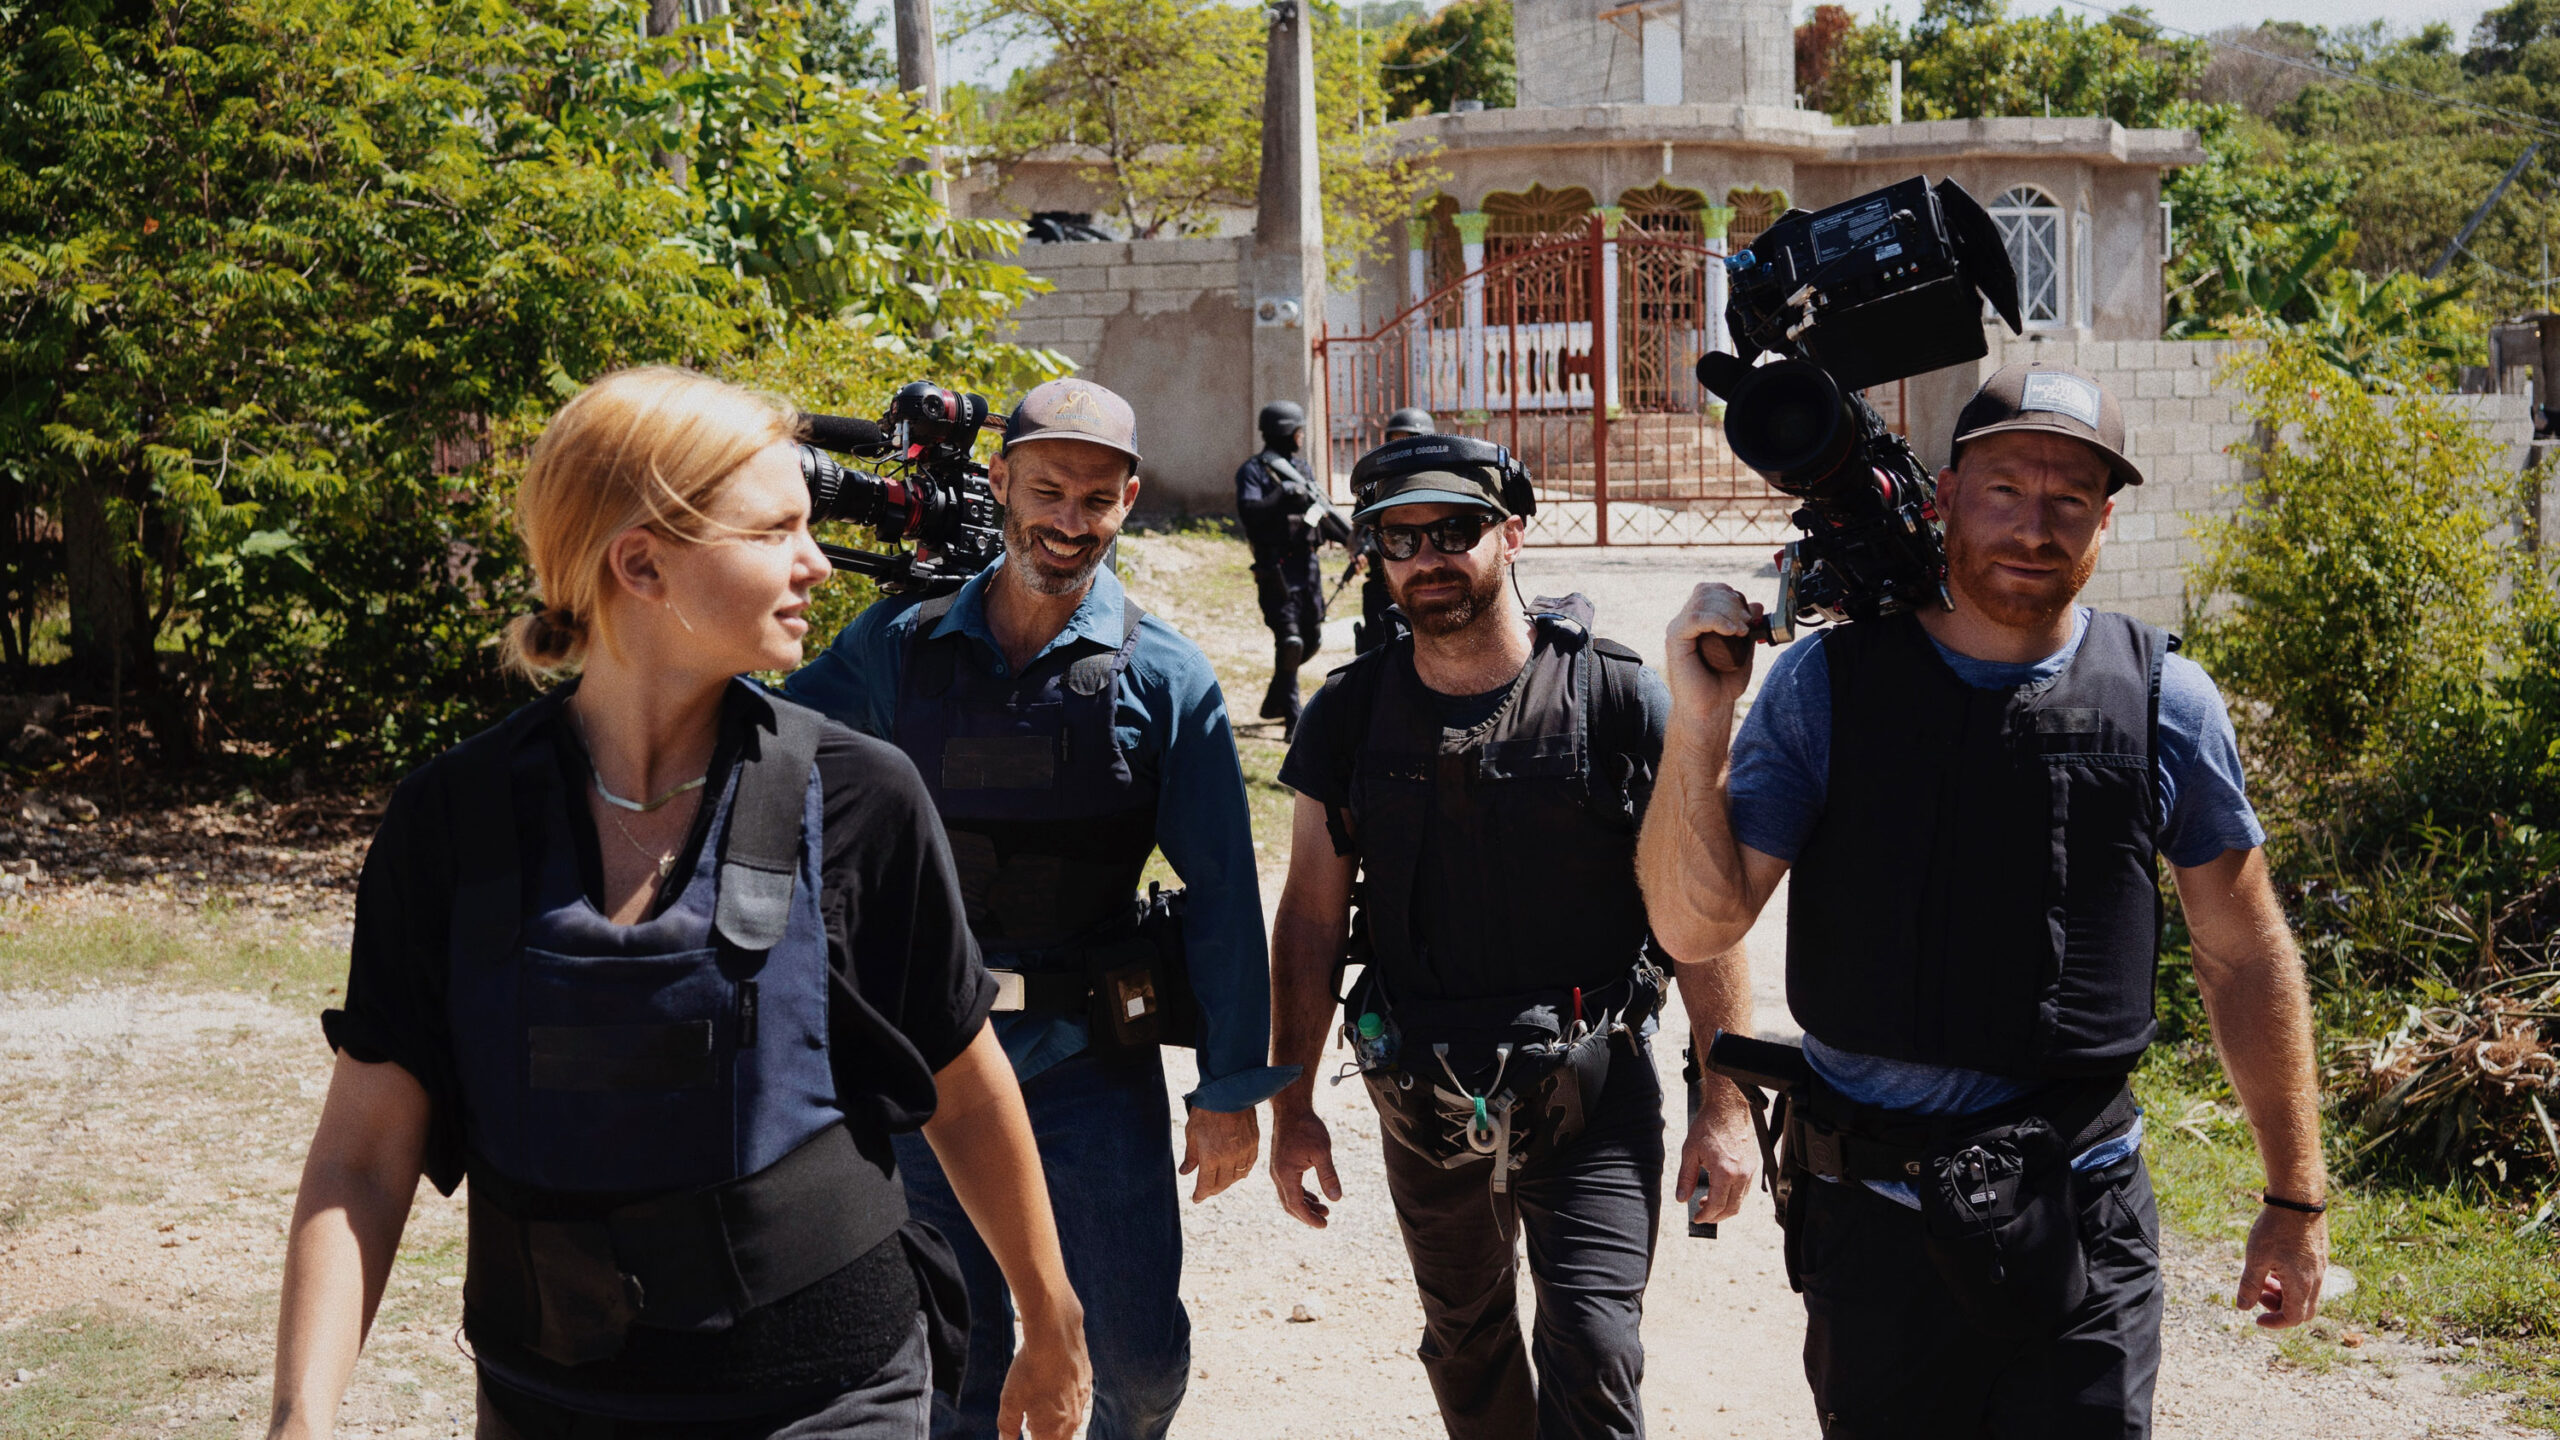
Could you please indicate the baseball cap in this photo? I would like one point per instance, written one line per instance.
(2055, 399)
(1073, 409)
(1433, 487)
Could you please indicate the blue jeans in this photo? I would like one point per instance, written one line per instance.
(1105, 1134)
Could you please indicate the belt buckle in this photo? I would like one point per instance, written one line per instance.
(1823, 1153)
(1008, 989)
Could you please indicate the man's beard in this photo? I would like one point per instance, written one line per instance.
(1972, 567)
(1031, 561)
(1449, 614)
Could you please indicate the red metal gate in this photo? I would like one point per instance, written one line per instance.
(1599, 399)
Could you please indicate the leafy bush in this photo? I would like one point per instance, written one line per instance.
(2397, 666)
(2363, 566)
(294, 282)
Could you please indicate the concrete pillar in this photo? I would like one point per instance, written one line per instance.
(1715, 222)
(1605, 381)
(1417, 330)
(1471, 227)
(1287, 265)
(919, 75)
(1417, 260)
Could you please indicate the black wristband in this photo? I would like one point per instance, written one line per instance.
(2298, 1207)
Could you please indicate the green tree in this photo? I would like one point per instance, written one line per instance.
(843, 40)
(1166, 96)
(290, 283)
(1968, 58)
(1463, 53)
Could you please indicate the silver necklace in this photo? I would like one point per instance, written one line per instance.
(640, 807)
(666, 860)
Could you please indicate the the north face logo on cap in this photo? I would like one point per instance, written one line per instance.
(2061, 393)
(1074, 405)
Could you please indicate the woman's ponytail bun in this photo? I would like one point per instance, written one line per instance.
(541, 645)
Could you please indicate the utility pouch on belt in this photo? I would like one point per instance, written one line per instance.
(1502, 1080)
(1142, 994)
(2002, 1219)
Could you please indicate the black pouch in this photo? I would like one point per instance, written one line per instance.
(2001, 1215)
(1461, 1094)
(1142, 995)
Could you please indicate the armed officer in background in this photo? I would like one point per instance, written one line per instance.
(1065, 734)
(1377, 625)
(1970, 800)
(1279, 509)
(1484, 776)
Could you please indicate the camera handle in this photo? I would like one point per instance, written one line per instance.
(1776, 626)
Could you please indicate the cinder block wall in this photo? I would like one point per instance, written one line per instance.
(1166, 323)
(2184, 426)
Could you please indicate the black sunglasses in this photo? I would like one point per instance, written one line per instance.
(1450, 535)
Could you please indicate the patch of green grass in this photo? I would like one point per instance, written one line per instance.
(102, 1372)
(55, 954)
(2440, 1262)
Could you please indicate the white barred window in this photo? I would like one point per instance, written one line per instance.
(2031, 226)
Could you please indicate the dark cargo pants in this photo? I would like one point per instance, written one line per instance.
(1290, 586)
(1588, 1212)
(1890, 1355)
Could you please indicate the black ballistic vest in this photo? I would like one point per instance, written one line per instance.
(1049, 827)
(1528, 823)
(1980, 890)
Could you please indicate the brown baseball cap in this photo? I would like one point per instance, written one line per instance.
(2055, 399)
(1073, 409)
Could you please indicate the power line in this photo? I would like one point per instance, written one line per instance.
(2534, 123)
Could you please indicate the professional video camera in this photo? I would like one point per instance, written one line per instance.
(1867, 292)
(935, 494)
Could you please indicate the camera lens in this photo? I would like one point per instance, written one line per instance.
(1787, 421)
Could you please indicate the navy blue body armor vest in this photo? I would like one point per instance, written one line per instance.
(1980, 889)
(1049, 827)
(655, 1135)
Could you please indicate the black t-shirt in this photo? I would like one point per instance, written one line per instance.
(909, 995)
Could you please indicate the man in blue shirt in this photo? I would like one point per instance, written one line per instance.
(1970, 800)
(1066, 736)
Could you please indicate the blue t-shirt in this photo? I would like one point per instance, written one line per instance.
(1782, 767)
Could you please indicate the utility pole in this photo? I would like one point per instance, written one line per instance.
(1287, 265)
(919, 76)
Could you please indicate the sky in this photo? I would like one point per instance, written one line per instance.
(981, 61)
(2206, 16)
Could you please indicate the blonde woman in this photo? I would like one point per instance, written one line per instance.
(660, 964)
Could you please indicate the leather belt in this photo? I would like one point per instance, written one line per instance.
(1041, 992)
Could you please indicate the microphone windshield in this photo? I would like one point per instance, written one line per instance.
(846, 435)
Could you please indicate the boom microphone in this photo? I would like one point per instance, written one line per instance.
(846, 435)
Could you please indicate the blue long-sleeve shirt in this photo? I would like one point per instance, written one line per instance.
(1172, 724)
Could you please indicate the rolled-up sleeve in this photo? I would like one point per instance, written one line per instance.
(1206, 832)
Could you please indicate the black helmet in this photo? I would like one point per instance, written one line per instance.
(1279, 420)
(1410, 421)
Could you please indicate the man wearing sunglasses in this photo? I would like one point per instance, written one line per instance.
(1475, 788)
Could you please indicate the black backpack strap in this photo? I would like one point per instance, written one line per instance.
(1621, 775)
(1355, 688)
(929, 661)
(1095, 674)
(488, 878)
(760, 853)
